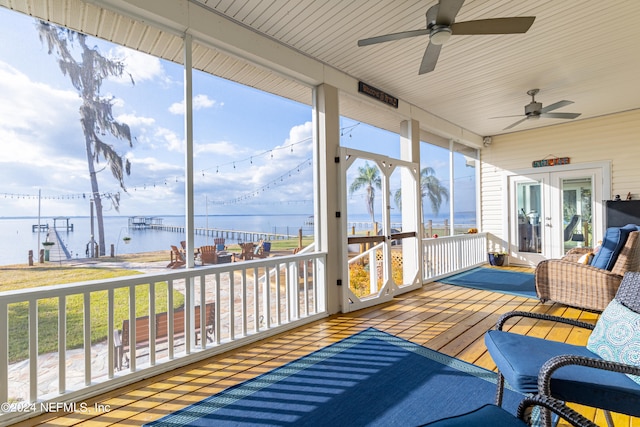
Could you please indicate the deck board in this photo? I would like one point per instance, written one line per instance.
(443, 317)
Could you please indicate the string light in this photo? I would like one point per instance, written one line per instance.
(270, 152)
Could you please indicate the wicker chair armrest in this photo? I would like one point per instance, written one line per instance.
(502, 320)
(578, 251)
(554, 405)
(574, 254)
(586, 270)
(557, 362)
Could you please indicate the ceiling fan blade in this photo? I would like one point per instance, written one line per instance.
(555, 106)
(391, 37)
(506, 117)
(430, 58)
(447, 11)
(516, 25)
(560, 115)
(515, 124)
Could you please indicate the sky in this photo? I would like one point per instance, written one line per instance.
(252, 150)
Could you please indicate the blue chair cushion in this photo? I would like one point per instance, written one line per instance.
(614, 240)
(487, 415)
(616, 336)
(520, 357)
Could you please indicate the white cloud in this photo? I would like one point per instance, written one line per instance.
(222, 148)
(139, 65)
(171, 139)
(199, 102)
(133, 120)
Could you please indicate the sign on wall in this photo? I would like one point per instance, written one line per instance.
(556, 161)
(378, 94)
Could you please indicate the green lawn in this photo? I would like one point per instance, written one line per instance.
(15, 277)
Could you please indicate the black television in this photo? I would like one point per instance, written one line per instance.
(622, 212)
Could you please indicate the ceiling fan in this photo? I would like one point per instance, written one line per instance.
(441, 26)
(534, 110)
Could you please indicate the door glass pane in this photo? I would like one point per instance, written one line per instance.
(576, 212)
(529, 205)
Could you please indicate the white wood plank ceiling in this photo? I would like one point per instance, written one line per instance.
(585, 51)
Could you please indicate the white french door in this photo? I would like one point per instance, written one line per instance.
(380, 219)
(553, 211)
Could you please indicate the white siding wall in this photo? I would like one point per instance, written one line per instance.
(615, 137)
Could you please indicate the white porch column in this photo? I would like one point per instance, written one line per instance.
(411, 200)
(326, 118)
(188, 152)
(188, 188)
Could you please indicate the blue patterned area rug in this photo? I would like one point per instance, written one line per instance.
(496, 280)
(369, 379)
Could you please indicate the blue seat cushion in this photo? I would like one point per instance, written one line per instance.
(520, 357)
(612, 244)
(487, 415)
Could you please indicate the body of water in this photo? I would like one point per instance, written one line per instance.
(18, 238)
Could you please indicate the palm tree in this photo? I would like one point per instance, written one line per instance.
(368, 178)
(96, 115)
(430, 188)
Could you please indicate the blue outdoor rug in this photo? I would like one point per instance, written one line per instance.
(369, 379)
(496, 280)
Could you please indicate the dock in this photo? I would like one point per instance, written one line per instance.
(236, 235)
(142, 222)
(57, 251)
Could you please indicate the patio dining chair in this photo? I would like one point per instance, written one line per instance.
(603, 374)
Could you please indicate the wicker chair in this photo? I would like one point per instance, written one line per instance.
(578, 285)
(572, 373)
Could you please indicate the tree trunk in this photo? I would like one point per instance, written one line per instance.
(95, 191)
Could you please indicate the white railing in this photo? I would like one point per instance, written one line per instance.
(248, 300)
(447, 255)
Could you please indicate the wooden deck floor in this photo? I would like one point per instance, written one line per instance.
(442, 317)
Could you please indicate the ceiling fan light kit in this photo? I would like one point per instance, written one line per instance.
(441, 26)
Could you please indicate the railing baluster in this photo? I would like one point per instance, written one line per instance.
(256, 302)
(203, 312)
(245, 314)
(132, 328)
(111, 356)
(278, 294)
(232, 307)
(87, 338)
(267, 301)
(152, 323)
(62, 343)
(188, 314)
(218, 309)
(170, 311)
(4, 353)
(33, 350)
